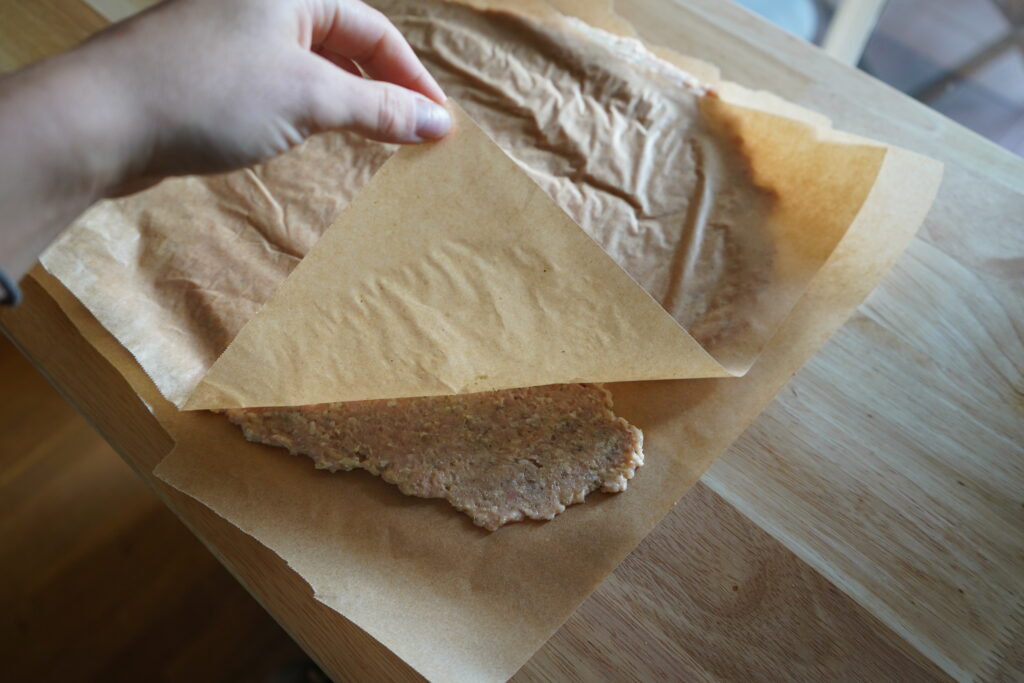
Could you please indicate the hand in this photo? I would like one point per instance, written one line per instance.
(217, 85)
(197, 86)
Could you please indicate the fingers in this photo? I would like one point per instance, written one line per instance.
(338, 61)
(381, 111)
(362, 34)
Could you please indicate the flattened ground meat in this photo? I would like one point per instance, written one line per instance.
(499, 456)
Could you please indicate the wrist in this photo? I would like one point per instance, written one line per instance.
(68, 135)
(99, 124)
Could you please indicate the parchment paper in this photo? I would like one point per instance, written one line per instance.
(450, 272)
(454, 601)
(660, 178)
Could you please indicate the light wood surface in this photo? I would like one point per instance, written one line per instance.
(893, 463)
(867, 526)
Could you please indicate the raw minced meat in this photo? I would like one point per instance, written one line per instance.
(499, 456)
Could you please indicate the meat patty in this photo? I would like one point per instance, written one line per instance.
(499, 457)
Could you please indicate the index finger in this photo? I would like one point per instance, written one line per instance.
(363, 34)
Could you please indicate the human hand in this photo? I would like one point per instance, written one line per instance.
(209, 86)
(197, 86)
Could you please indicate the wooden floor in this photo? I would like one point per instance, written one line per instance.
(98, 580)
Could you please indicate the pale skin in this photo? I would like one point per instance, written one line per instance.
(197, 86)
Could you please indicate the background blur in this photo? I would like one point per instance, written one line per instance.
(964, 58)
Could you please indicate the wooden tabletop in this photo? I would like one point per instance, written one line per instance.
(868, 526)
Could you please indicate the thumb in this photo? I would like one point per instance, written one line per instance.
(380, 111)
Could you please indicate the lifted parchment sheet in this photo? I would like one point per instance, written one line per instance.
(451, 272)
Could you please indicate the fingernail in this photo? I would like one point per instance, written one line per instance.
(432, 120)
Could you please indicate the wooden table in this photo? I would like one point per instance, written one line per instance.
(868, 526)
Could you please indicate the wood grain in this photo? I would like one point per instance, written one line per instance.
(90, 382)
(98, 580)
(891, 465)
(731, 604)
(893, 462)
(42, 28)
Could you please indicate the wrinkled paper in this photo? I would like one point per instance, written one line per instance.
(451, 272)
(604, 128)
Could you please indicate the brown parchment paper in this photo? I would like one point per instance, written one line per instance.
(654, 174)
(453, 601)
(449, 296)
(451, 272)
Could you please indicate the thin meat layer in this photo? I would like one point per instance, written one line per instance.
(499, 457)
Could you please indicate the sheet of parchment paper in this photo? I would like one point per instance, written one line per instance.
(454, 601)
(450, 272)
(657, 176)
